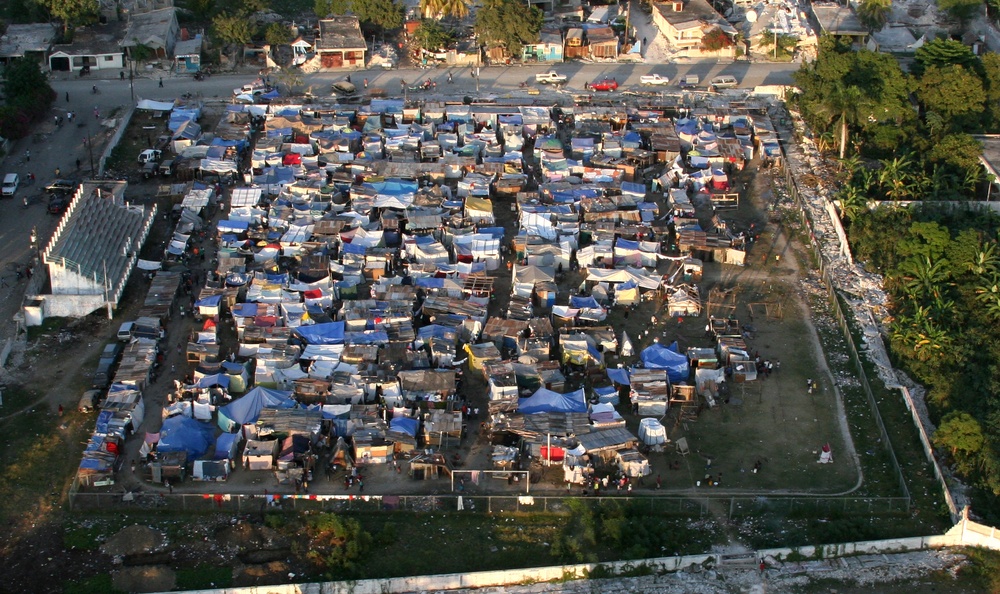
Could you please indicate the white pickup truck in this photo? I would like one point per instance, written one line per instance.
(550, 78)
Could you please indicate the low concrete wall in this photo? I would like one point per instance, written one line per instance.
(71, 306)
(965, 533)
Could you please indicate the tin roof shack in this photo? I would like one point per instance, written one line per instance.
(260, 455)
(427, 385)
(503, 386)
(605, 443)
(371, 445)
(33, 40)
(424, 467)
(602, 43)
(633, 463)
(340, 43)
(442, 427)
(650, 391)
(574, 47)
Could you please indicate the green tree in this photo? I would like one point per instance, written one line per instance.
(336, 545)
(235, 30)
(960, 9)
(431, 36)
(781, 45)
(874, 13)
(953, 92)
(961, 434)
(509, 24)
(991, 84)
(942, 52)
(896, 178)
(326, 8)
(379, 15)
(27, 95)
(960, 151)
(73, 12)
(277, 34)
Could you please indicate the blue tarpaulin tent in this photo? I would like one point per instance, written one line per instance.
(224, 445)
(328, 333)
(619, 376)
(544, 401)
(246, 410)
(184, 434)
(656, 356)
(404, 425)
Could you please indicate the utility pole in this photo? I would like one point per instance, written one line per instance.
(131, 78)
(90, 147)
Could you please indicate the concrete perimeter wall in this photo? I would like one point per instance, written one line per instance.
(965, 533)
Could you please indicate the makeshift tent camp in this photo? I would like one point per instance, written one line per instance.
(246, 410)
(184, 434)
(656, 356)
(227, 447)
(545, 401)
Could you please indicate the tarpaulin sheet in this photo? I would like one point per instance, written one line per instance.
(327, 333)
(656, 356)
(619, 376)
(545, 401)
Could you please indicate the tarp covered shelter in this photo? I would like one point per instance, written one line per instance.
(656, 356)
(184, 434)
(547, 401)
(246, 410)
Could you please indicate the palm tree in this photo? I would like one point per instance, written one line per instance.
(895, 176)
(845, 105)
(985, 261)
(874, 13)
(852, 201)
(436, 9)
(923, 277)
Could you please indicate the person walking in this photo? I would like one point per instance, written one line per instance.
(161, 82)
(121, 75)
(27, 156)
(366, 83)
(67, 96)
(450, 79)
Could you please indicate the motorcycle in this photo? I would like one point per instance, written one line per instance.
(199, 76)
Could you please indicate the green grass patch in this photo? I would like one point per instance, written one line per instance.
(98, 584)
(202, 577)
(48, 326)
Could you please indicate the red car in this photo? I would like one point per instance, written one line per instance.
(607, 84)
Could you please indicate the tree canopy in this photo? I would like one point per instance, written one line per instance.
(27, 97)
(73, 12)
(874, 13)
(431, 36)
(376, 15)
(508, 23)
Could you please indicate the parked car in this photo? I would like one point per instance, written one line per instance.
(724, 82)
(689, 81)
(149, 155)
(150, 169)
(10, 183)
(550, 78)
(106, 365)
(88, 402)
(60, 186)
(58, 203)
(654, 79)
(253, 89)
(606, 84)
(344, 88)
(166, 168)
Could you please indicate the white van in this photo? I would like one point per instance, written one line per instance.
(125, 331)
(724, 82)
(10, 183)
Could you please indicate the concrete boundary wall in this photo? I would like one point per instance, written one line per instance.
(965, 533)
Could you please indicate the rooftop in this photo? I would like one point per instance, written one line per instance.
(834, 19)
(96, 40)
(342, 32)
(19, 39)
(150, 28)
